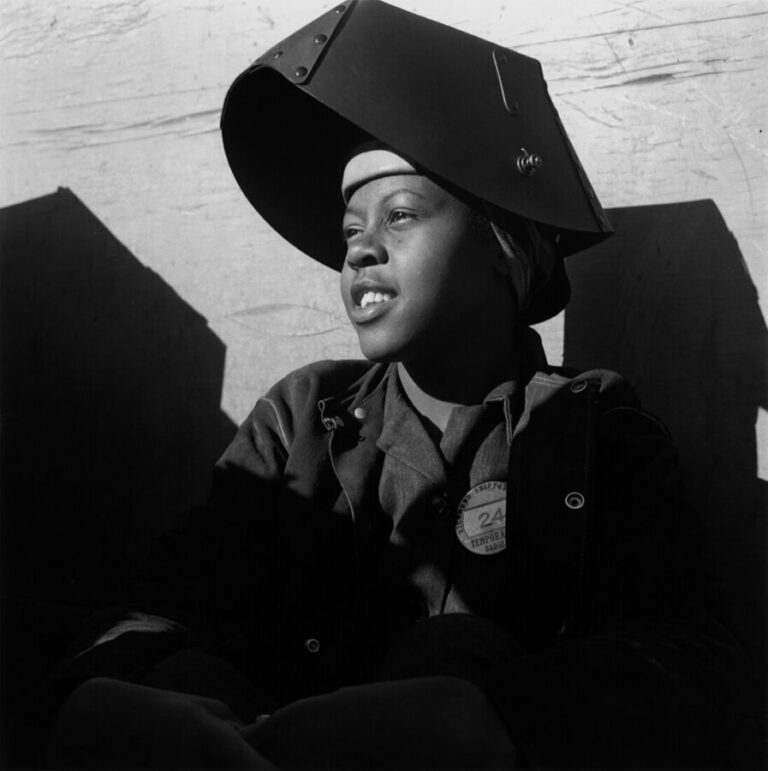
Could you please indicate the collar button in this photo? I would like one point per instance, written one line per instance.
(440, 506)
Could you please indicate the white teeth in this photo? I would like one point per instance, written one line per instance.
(374, 297)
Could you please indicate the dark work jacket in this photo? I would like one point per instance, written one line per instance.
(621, 666)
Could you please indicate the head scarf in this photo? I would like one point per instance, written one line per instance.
(530, 256)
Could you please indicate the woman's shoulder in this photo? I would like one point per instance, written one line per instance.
(616, 401)
(604, 383)
(320, 379)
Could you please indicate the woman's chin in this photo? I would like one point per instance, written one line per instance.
(378, 357)
(377, 350)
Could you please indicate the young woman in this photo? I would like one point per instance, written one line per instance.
(448, 554)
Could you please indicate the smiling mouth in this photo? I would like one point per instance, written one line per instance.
(374, 298)
(370, 302)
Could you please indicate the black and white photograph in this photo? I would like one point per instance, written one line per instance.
(383, 384)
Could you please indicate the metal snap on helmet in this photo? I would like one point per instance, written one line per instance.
(471, 113)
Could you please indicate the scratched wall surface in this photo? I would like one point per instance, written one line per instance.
(119, 102)
(126, 233)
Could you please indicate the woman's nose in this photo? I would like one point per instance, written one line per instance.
(365, 250)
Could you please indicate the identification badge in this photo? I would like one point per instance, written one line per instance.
(481, 523)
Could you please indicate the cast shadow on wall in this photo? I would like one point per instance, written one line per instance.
(111, 388)
(669, 303)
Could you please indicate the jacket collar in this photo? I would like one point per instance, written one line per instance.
(367, 392)
(336, 409)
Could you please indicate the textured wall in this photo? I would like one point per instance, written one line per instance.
(115, 392)
(119, 101)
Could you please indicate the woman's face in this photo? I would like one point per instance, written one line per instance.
(418, 279)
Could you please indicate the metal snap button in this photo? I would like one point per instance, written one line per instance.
(301, 72)
(320, 39)
(527, 163)
(359, 413)
(574, 500)
(312, 645)
(578, 386)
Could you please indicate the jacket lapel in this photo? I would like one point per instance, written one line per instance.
(354, 420)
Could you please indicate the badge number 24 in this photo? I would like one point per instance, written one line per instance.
(481, 521)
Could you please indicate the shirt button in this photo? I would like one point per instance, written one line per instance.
(311, 645)
(574, 500)
(440, 506)
(359, 413)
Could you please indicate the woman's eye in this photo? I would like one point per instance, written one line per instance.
(349, 232)
(398, 216)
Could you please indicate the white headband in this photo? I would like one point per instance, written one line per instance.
(369, 165)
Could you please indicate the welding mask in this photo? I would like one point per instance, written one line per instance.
(469, 113)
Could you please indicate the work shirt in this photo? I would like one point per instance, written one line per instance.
(424, 570)
(617, 665)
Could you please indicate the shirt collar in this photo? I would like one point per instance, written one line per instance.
(369, 390)
(404, 436)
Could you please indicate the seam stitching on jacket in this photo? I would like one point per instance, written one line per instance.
(280, 426)
(154, 625)
(378, 387)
